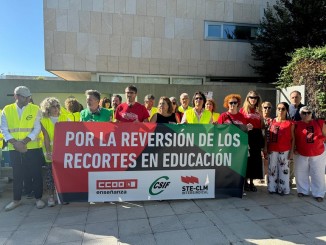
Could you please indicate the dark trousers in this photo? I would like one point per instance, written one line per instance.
(27, 164)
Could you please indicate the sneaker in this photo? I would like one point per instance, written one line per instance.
(40, 204)
(12, 205)
(51, 201)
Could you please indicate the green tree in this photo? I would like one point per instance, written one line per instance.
(308, 67)
(286, 26)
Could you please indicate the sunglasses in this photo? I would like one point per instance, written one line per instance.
(233, 102)
(199, 98)
(267, 107)
(253, 97)
(306, 112)
(281, 108)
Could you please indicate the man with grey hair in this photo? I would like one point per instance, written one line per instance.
(184, 100)
(294, 113)
(149, 102)
(93, 112)
(20, 124)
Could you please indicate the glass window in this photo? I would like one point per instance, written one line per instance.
(116, 79)
(230, 31)
(156, 80)
(214, 30)
(192, 81)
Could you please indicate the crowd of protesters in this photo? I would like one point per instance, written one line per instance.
(292, 142)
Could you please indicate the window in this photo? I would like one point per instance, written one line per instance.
(230, 31)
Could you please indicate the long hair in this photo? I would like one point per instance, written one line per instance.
(246, 105)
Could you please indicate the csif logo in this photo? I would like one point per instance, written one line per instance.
(159, 185)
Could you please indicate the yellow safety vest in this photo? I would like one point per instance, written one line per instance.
(204, 119)
(1, 137)
(215, 116)
(73, 117)
(49, 127)
(153, 111)
(180, 109)
(20, 128)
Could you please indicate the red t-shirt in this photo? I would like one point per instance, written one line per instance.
(238, 118)
(309, 139)
(125, 113)
(279, 137)
(253, 117)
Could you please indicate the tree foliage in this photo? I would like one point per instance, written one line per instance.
(308, 67)
(286, 26)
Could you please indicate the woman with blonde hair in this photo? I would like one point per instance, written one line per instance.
(50, 108)
(251, 111)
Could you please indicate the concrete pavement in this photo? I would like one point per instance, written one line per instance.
(258, 218)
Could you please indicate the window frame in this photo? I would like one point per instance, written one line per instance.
(222, 24)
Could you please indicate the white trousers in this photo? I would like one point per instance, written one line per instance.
(278, 172)
(313, 167)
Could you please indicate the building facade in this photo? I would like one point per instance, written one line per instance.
(151, 41)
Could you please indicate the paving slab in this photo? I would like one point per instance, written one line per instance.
(257, 218)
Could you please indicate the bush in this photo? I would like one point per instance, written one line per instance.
(308, 67)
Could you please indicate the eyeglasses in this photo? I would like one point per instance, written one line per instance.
(281, 108)
(129, 92)
(199, 98)
(253, 97)
(173, 102)
(233, 102)
(306, 112)
(267, 107)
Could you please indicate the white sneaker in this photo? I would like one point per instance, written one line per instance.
(40, 204)
(12, 205)
(51, 201)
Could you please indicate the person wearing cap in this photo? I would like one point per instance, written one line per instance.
(149, 102)
(309, 155)
(20, 124)
(93, 112)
